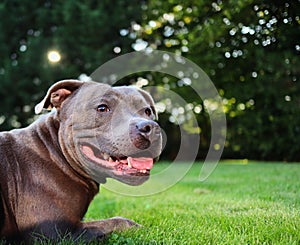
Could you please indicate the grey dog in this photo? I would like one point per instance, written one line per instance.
(51, 170)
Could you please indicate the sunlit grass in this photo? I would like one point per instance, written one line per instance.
(240, 203)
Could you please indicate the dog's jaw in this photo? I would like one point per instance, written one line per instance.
(127, 169)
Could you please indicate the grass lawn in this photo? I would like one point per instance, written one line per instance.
(254, 203)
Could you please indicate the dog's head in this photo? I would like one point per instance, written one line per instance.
(109, 131)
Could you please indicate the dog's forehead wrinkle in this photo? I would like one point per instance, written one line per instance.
(126, 91)
(111, 94)
(108, 96)
(131, 96)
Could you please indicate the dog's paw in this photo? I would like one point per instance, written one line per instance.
(123, 223)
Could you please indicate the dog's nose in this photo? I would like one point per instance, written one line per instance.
(148, 129)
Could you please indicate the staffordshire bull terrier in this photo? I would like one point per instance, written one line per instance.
(51, 170)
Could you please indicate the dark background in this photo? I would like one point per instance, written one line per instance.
(249, 48)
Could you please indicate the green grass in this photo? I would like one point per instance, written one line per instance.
(254, 203)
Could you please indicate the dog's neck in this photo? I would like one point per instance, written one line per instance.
(38, 143)
(51, 123)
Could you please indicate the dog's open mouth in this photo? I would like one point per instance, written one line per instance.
(127, 164)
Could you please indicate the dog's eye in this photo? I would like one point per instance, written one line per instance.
(148, 112)
(103, 108)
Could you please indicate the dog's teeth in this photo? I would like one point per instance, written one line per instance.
(110, 159)
(105, 156)
(128, 162)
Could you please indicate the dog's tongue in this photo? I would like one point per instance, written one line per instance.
(141, 163)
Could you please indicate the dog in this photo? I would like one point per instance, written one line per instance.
(51, 170)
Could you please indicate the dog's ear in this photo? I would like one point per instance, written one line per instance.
(150, 100)
(56, 94)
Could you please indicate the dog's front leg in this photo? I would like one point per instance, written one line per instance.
(98, 230)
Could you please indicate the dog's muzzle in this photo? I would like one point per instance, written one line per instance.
(145, 134)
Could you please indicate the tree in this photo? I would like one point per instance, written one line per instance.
(250, 50)
(85, 34)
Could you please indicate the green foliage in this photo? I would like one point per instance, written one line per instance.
(83, 32)
(250, 50)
